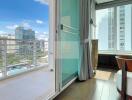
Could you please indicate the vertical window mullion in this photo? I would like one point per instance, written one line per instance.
(115, 27)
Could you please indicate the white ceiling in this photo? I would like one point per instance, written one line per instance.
(103, 1)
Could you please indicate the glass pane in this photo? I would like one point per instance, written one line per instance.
(69, 39)
(124, 28)
(114, 28)
(23, 36)
(105, 30)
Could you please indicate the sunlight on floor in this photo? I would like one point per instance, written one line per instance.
(103, 75)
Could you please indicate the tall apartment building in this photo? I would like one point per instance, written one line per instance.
(24, 34)
(124, 29)
(24, 40)
(120, 38)
(121, 27)
(111, 32)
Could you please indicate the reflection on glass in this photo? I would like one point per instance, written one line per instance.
(69, 40)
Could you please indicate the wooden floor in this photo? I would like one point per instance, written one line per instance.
(93, 89)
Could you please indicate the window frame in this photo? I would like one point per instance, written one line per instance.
(51, 51)
(115, 51)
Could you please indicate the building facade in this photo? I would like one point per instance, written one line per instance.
(120, 28)
(111, 30)
(24, 34)
(25, 39)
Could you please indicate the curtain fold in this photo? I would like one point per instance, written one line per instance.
(86, 69)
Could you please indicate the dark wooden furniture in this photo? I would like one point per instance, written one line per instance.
(125, 64)
(107, 61)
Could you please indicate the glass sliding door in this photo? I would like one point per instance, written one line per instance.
(69, 39)
(27, 49)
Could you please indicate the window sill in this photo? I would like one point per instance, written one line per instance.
(128, 53)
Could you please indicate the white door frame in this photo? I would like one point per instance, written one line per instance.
(53, 27)
(54, 53)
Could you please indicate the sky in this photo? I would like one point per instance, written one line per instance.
(32, 14)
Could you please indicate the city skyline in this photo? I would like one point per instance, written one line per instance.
(36, 17)
(13, 36)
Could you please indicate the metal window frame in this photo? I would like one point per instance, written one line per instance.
(112, 4)
(55, 26)
(59, 86)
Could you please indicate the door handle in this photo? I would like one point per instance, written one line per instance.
(62, 26)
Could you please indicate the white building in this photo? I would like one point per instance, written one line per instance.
(124, 29)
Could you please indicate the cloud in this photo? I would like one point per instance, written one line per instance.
(2, 32)
(11, 27)
(36, 32)
(22, 24)
(26, 25)
(39, 22)
(42, 1)
(43, 35)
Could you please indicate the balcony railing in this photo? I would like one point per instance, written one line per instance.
(17, 56)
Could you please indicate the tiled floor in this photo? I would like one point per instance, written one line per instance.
(36, 85)
(93, 89)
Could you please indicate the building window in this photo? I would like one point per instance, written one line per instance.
(114, 28)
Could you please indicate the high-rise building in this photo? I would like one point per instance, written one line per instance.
(24, 40)
(111, 30)
(24, 34)
(124, 31)
(120, 28)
